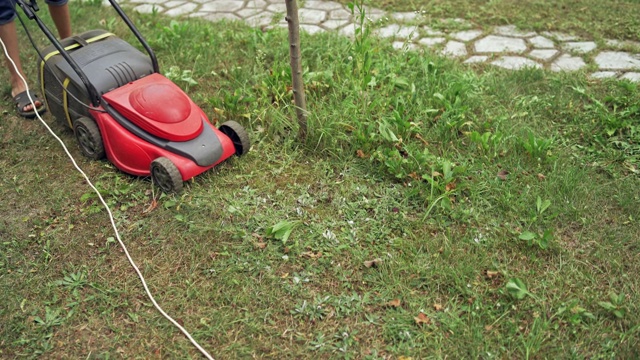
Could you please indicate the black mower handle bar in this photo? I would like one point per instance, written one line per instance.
(31, 7)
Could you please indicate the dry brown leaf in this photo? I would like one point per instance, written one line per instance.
(395, 303)
(422, 319)
(491, 274)
(437, 307)
(284, 276)
(419, 137)
(261, 245)
(373, 263)
(435, 174)
(311, 254)
(414, 176)
(361, 154)
(152, 206)
(502, 175)
(488, 327)
(541, 177)
(450, 186)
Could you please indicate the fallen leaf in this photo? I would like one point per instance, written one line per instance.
(414, 176)
(419, 137)
(422, 319)
(395, 303)
(404, 358)
(152, 206)
(502, 175)
(435, 174)
(437, 307)
(450, 186)
(491, 274)
(361, 154)
(284, 276)
(488, 327)
(311, 254)
(373, 263)
(261, 245)
(541, 177)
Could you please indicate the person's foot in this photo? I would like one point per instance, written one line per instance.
(19, 88)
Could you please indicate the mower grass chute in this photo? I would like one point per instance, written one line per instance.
(120, 107)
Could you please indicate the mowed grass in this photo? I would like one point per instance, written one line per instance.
(591, 19)
(435, 211)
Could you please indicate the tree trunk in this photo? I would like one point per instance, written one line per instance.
(296, 67)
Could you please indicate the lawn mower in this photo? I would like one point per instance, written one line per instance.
(120, 106)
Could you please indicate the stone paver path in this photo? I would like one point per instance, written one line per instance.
(503, 46)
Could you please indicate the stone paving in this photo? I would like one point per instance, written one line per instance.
(502, 46)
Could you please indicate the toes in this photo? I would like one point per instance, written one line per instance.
(29, 107)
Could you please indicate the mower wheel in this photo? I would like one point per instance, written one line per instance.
(88, 136)
(238, 136)
(166, 175)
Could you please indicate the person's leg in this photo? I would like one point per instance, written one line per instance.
(60, 14)
(9, 37)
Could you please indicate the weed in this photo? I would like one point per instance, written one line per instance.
(363, 46)
(537, 148)
(615, 305)
(51, 318)
(517, 289)
(281, 231)
(74, 281)
(573, 313)
(311, 312)
(489, 143)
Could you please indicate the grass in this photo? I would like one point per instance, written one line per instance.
(435, 211)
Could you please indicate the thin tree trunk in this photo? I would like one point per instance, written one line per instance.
(296, 67)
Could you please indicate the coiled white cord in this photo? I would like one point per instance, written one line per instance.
(113, 224)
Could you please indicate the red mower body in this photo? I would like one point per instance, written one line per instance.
(120, 106)
(163, 110)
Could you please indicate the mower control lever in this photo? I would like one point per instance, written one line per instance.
(29, 9)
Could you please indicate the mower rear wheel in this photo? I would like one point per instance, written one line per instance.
(89, 138)
(238, 136)
(166, 175)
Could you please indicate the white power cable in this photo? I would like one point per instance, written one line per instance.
(113, 224)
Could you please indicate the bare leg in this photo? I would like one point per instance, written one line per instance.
(60, 16)
(9, 37)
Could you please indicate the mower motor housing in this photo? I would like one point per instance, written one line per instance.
(108, 62)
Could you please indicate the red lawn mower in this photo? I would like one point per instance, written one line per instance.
(121, 107)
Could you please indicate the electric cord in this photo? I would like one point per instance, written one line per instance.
(111, 218)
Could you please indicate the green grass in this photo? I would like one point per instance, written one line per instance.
(501, 205)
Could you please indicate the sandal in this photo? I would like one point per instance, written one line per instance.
(22, 100)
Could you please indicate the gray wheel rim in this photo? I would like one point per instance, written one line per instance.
(162, 178)
(86, 140)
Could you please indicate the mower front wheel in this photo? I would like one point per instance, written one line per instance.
(238, 136)
(88, 135)
(166, 175)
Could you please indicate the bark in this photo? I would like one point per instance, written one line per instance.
(296, 67)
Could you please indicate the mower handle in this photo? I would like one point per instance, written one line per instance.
(134, 30)
(30, 8)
